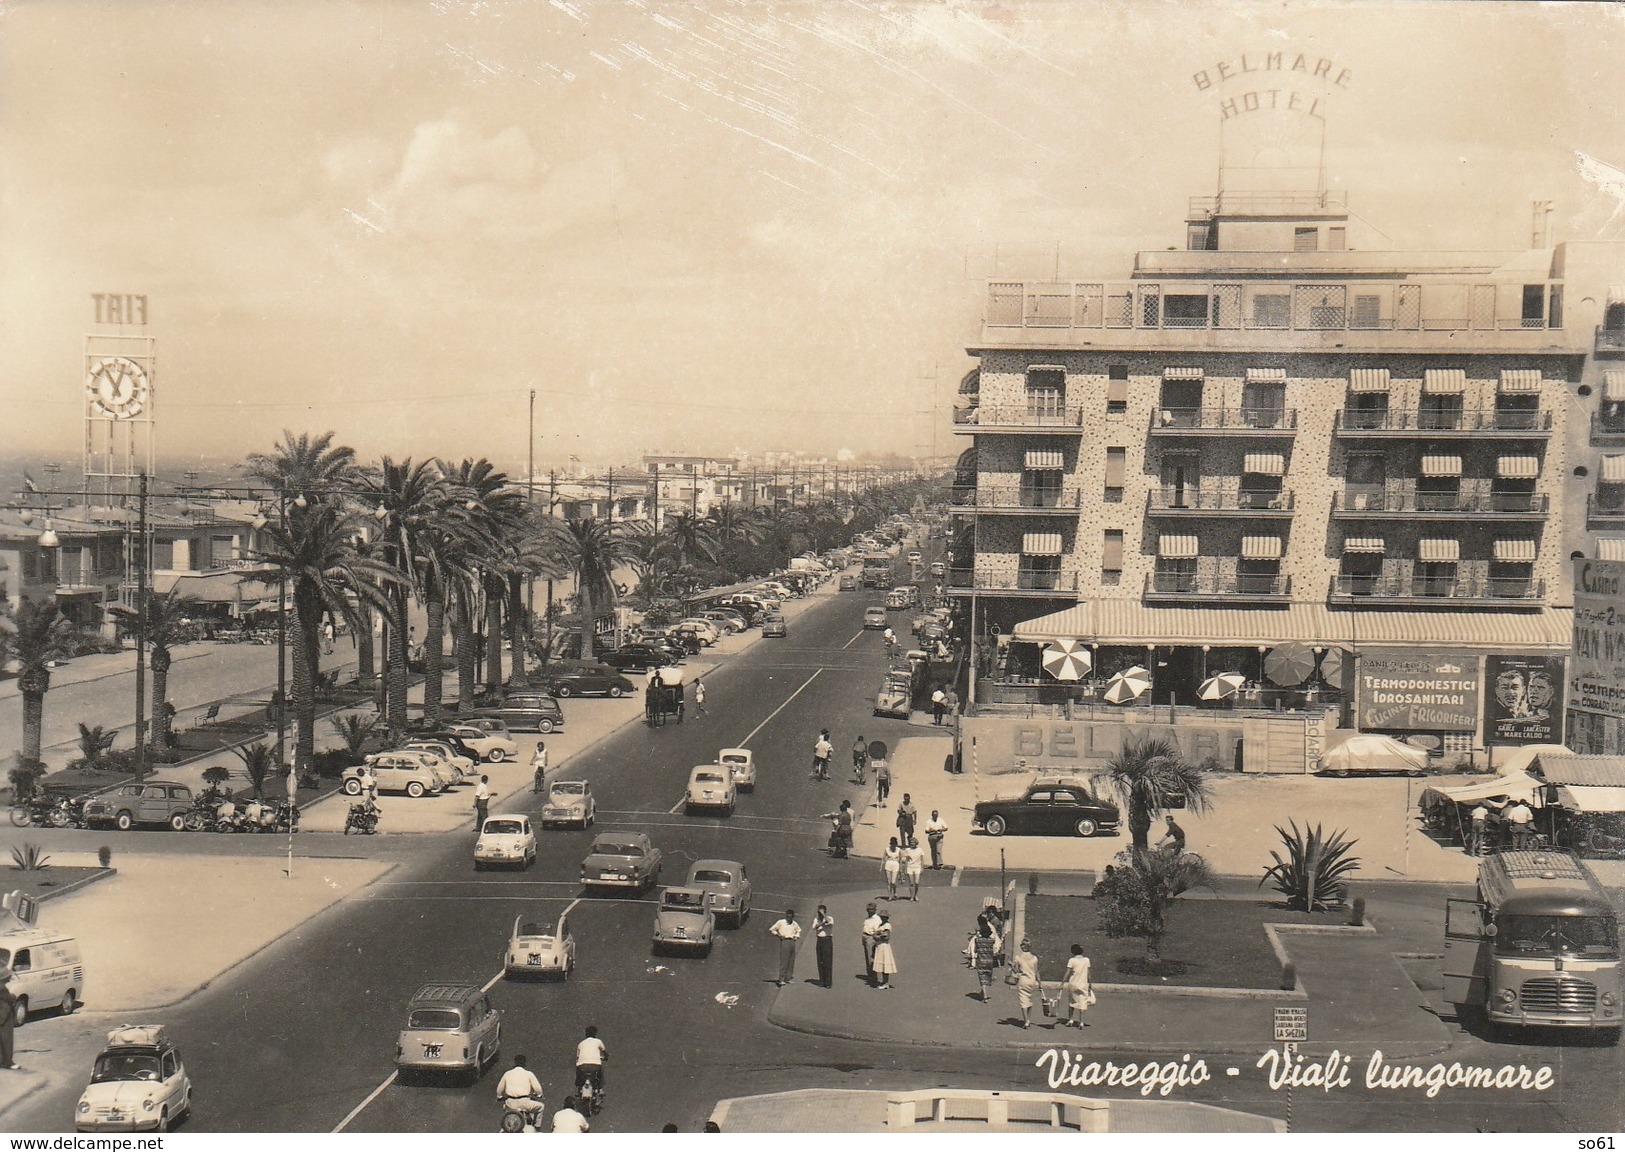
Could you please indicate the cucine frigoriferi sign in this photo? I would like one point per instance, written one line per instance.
(1419, 692)
(1274, 80)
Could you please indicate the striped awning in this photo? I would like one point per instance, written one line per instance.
(1517, 467)
(1364, 546)
(1520, 379)
(1044, 458)
(1041, 544)
(1514, 551)
(1182, 374)
(1441, 465)
(1260, 547)
(1610, 548)
(1613, 386)
(1266, 375)
(1438, 551)
(1177, 547)
(1368, 379)
(1264, 464)
(1612, 470)
(1444, 380)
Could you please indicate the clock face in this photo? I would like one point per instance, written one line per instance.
(118, 387)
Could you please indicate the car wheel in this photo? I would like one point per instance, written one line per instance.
(994, 825)
(562, 691)
(479, 866)
(19, 1012)
(497, 755)
(544, 727)
(1085, 827)
(414, 790)
(177, 822)
(352, 787)
(67, 1004)
(616, 691)
(124, 821)
(194, 821)
(163, 1119)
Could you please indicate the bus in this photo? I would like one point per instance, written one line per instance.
(1538, 947)
(877, 570)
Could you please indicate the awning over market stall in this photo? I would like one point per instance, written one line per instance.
(1577, 798)
(1519, 786)
(1571, 768)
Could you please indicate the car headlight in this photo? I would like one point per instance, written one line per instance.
(1609, 998)
(84, 1106)
(1507, 996)
(148, 1104)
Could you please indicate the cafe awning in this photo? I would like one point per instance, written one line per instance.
(1044, 458)
(1177, 547)
(1438, 551)
(1364, 546)
(1517, 467)
(1514, 551)
(1368, 379)
(1520, 379)
(1264, 464)
(1444, 380)
(1041, 544)
(1441, 466)
(1260, 547)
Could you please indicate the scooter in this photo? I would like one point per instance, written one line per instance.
(361, 819)
(522, 1114)
(591, 1093)
(286, 817)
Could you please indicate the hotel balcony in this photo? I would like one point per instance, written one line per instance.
(1610, 340)
(1431, 424)
(1440, 505)
(964, 581)
(1224, 421)
(1607, 433)
(1420, 590)
(1609, 516)
(1245, 503)
(1167, 587)
(1012, 500)
(1066, 420)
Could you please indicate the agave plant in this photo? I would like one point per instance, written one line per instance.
(1311, 874)
(94, 742)
(29, 858)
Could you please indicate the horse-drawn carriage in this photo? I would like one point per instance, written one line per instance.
(663, 698)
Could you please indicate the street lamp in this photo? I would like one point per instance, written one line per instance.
(48, 538)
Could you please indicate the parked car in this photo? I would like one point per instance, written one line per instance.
(449, 735)
(895, 698)
(151, 802)
(938, 569)
(741, 765)
(137, 1084)
(587, 680)
(1058, 807)
(773, 626)
(704, 627)
(621, 860)
(726, 884)
(462, 767)
(637, 657)
(450, 1027)
(710, 786)
(684, 920)
(849, 583)
(529, 712)
(728, 622)
(493, 746)
(505, 841)
(444, 775)
(396, 772)
(538, 948)
(569, 802)
(707, 635)
(914, 557)
(874, 618)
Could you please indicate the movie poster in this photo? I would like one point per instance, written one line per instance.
(1524, 701)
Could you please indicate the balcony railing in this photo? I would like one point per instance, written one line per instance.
(1267, 203)
(1068, 418)
(1431, 421)
(1355, 504)
(1437, 588)
(1024, 580)
(1010, 498)
(1607, 433)
(1239, 586)
(1604, 514)
(1610, 339)
(1270, 420)
(1198, 501)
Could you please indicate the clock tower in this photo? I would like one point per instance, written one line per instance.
(120, 363)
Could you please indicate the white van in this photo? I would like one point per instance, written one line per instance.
(46, 970)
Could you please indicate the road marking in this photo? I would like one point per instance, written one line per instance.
(745, 743)
(693, 824)
(361, 1107)
(854, 639)
(954, 883)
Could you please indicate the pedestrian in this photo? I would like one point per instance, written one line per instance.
(538, 768)
(906, 818)
(890, 638)
(939, 704)
(482, 801)
(1024, 971)
(1520, 820)
(883, 781)
(824, 943)
(1174, 839)
(982, 952)
(914, 868)
(950, 698)
(1477, 837)
(699, 696)
(789, 936)
(935, 829)
(368, 782)
(1080, 990)
(840, 837)
(885, 958)
(860, 759)
(892, 865)
(8, 1020)
(1103, 886)
(871, 938)
(822, 751)
(327, 636)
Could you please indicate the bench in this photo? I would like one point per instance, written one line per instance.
(209, 716)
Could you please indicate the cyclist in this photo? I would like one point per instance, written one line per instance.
(822, 751)
(860, 759)
(591, 1056)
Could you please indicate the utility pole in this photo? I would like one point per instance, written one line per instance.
(552, 505)
(140, 559)
(530, 499)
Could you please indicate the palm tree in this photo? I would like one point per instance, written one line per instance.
(690, 540)
(495, 512)
(1145, 773)
(1141, 892)
(94, 741)
(304, 466)
(534, 547)
(733, 531)
(162, 616)
(593, 548)
(33, 635)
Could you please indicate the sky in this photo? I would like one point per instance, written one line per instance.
(691, 226)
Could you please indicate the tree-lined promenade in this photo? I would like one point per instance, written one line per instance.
(361, 542)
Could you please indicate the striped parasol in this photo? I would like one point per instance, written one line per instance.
(1129, 684)
(1067, 659)
(1222, 686)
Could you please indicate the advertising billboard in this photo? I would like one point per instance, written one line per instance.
(1597, 659)
(1421, 692)
(1524, 700)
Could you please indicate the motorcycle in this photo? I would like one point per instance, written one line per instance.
(590, 1091)
(42, 812)
(522, 1114)
(362, 819)
(285, 816)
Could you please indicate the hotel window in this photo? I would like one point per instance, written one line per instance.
(1046, 392)
(1184, 311)
(222, 550)
(1367, 481)
(1513, 487)
(1435, 573)
(1512, 569)
(1271, 310)
(1611, 412)
(1116, 389)
(1041, 474)
(1111, 557)
(1367, 312)
(1438, 486)
(1534, 306)
(1262, 474)
(1116, 464)
(1611, 485)
(1441, 403)
(1517, 411)
(1337, 238)
(1366, 405)
(1305, 239)
(1039, 573)
(1361, 571)
(1199, 238)
(1181, 480)
(1181, 398)
(1258, 568)
(1263, 397)
(163, 554)
(1175, 574)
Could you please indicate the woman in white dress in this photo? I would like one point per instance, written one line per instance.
(1080, 991)
(885, 958)
(893, 865)
(914, 868)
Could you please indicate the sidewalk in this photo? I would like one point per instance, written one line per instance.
(1357, 994)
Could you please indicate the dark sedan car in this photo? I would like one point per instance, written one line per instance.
(638, 657)
(588, 680)
(1048, 808)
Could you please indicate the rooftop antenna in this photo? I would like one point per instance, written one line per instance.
(1540, 224)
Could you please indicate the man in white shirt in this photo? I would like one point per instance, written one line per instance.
(1520, 817)
(1479, 835)
(567, 1119)
(520, 1084)
(871, 937)
(482, 801)
(789, 934)
(822, 751)
(935, 829)
(591, 1056)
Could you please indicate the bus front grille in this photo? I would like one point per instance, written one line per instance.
(1551, 995)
